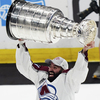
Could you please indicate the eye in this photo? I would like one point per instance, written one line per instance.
(55, 67)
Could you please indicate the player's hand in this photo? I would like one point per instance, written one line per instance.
(89, 46)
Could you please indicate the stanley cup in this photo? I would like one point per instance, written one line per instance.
(44, 24)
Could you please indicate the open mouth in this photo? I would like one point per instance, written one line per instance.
(51, 74)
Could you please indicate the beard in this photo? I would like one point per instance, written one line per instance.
(55, 75)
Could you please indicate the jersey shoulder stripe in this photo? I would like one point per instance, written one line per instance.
(65, 71)
(40, 67)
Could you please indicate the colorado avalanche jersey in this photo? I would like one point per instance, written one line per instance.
(63, 87)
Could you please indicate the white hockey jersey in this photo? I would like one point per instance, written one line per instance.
(63, 87)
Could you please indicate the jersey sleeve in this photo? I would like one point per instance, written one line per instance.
(78, 73)
(26, 67)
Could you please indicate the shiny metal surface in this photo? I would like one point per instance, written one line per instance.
(86, 31)
(43, 24)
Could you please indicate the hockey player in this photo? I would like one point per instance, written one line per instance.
(56, 81)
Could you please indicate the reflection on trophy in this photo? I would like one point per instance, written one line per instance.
(40, 23)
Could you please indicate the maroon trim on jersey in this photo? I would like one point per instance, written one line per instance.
(35, 66)
(26, 49)
(45, 68)
(40, 67)
(86, 55)
(65, 71)
(18, 46)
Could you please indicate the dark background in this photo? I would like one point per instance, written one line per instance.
(9, 75)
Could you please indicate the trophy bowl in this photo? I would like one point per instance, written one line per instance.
(44, 24)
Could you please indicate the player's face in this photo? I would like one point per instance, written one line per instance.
(54, 71)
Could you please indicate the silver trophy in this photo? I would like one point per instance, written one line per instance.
(40, 23)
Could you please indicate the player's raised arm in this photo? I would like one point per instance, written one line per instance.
(78, 73)
(24, 63)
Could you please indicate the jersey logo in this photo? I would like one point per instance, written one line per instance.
(46, 94)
